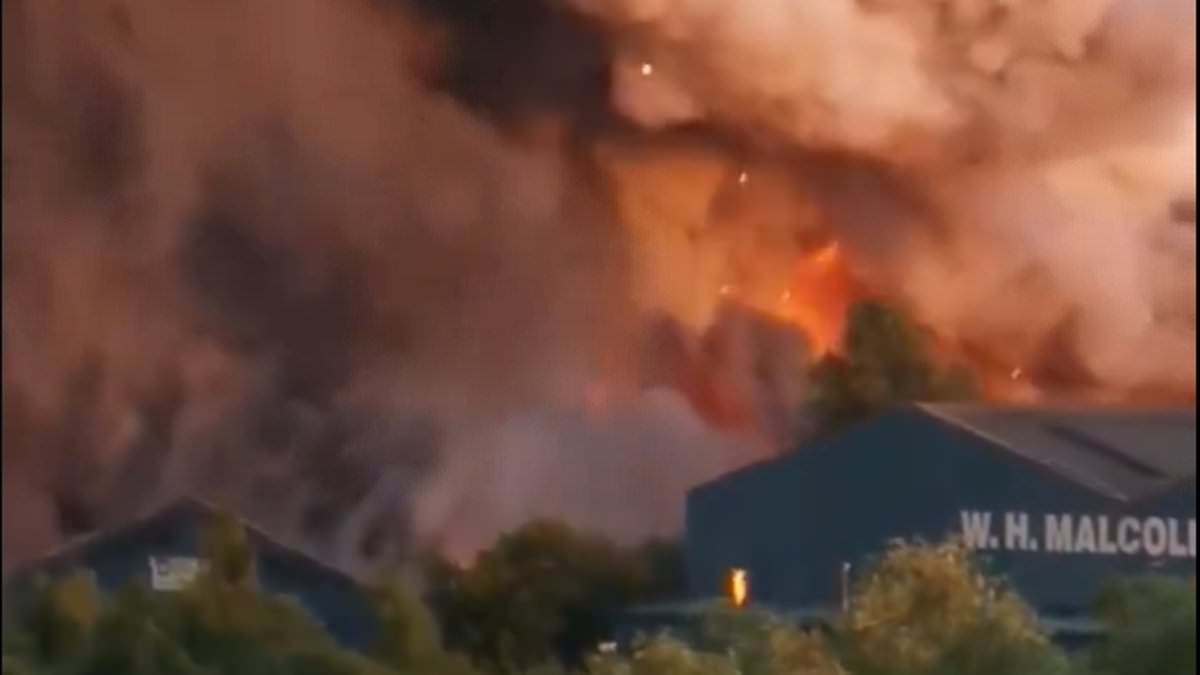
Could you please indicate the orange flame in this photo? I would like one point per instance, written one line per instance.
(739, 587)
(818, 296)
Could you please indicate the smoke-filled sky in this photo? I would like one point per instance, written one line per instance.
(414, 271)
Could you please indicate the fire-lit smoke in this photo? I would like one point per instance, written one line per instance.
(1039, 148)
(247, 252)
(707, 231)
(380, 273)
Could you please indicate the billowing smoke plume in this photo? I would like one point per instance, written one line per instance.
(1046, 141)
(412, 272)
(248, 252)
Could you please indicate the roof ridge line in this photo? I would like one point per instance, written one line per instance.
(939, 412)
(80, 542)
(1098, 486)
(260, 530)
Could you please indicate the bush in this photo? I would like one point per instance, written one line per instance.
(1151, 629)
(221, 625)
(543, 594)
(919, 610)
(928, 610)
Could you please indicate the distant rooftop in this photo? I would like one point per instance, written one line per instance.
(1123, 453)
(188, 508)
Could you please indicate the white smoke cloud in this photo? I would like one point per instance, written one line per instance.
(247, 252)
(1096, 231)
(824, 72)
(1047, 140)
(387, 244)
(880, 77)
(622, 471)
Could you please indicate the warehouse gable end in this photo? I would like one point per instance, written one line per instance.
(1055, 501)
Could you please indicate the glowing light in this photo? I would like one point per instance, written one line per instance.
(739, 587)
(743, 178)
(726, 289)
(1016, 374)
(817, 296)
(827, 255)
(647, 69)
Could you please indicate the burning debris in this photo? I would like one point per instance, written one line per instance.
(338, 273)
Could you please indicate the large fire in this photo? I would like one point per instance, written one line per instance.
(403, 273)
(709, 233)
(818, 296)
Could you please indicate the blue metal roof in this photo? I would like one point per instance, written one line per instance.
(189, 509)
(118, 556)
(1125, 454)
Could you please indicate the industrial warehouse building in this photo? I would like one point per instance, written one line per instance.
(162, 552)
(1057, 502)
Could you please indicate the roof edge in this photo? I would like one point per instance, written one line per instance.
(81, 542)
(944, 413)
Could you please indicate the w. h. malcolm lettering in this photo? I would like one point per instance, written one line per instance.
(1082, 534)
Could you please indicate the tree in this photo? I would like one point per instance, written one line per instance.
(928, 610)
(759, 643)
(883, 361)
(662, 656)
(221, 625)
(408, 637)
(665, 568)
(60, 614)
(226, 548)
(542, 593)
(729, 642)
(138, 633)
(545, 593)
(1151, 629)
(226, 624)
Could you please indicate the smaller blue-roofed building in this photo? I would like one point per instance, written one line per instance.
(162, 552)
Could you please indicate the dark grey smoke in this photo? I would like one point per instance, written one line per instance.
(355, 267)
(248, 253)
(521, 57)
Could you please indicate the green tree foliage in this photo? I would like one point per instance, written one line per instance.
(226, 548)
(1151, 629)
(730, 642)
(664, 564)
(408, 638)
(60, 615)
(919, 610)
(663, 656)
(884, 361)
(221, 625)
(928, 610)
(137, 634)
(543, 593)
(758, 643)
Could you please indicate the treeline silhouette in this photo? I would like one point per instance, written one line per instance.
(541, 601)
